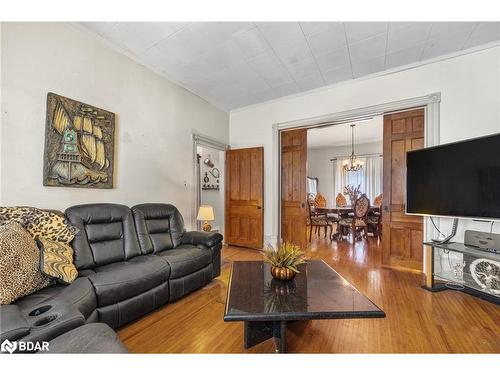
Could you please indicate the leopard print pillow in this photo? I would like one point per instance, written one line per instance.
(19, 264)
(39, 223)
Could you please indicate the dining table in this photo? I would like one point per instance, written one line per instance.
(342, 212)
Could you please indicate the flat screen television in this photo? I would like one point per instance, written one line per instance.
(459, 179)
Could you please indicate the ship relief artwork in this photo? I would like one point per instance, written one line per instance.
(79, 144)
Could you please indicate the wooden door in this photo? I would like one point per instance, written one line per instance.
(245, 197)
(293, 186)
(402, 234)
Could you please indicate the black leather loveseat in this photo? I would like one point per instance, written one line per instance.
(130, 261)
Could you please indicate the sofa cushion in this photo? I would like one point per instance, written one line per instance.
(80, 294)
(107, 234)
(13, 324)
(159, 226)
(89, 338)
(186, 259)
(122, 280)
(19, 264)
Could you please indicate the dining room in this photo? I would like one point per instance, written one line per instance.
(345, 182)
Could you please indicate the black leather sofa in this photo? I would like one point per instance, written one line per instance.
(130, 262)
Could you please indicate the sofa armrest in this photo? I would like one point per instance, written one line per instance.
(208, 239)
(13, 324)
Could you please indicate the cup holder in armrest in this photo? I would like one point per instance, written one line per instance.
(46, 320)
(40, 310)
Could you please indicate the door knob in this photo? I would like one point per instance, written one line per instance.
(386, 208)
(259, 207)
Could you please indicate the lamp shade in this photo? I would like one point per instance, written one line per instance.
(205, 213)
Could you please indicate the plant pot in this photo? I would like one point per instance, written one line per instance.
(282, 273)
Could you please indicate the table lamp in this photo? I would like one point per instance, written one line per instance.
(206, 213)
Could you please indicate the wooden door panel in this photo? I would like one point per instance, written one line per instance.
(293, 186)
(402, 234)
(398, 158)
(245, 197)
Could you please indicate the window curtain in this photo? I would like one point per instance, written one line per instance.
(369, 177)
(312, 187)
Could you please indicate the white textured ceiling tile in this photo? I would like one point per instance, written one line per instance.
(368, 49)
(219, 32)
(251, 42)
(276, 77)
(185, 44)
(334, 60)
(294, 52)
(265, 61)
(409, 36)
(262, 96)
(310, 82)
(277, 33)
(157, 60)
(443, 45)
(368, 67)
(225, 55)
(449, 28)
(303, 69)
(234, 64)
(397, 25)
(328, 40)
(338, 75)
(404, 57)
(357, 31)
(139, 36)
(311, 28)
(101, 28)
(286, 89)
(485, 32)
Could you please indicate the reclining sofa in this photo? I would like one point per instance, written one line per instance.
(130, 261)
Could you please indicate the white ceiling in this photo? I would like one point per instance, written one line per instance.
(235, 64)
(340, 135)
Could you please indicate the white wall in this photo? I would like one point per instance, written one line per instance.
(154, 119)
(319, 164)
(470, 107)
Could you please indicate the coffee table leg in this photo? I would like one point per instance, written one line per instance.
(257, 332)
(280, 336)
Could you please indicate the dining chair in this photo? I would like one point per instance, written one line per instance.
(357, 224)
(340, 200)
(374, 224)
(317, 221)
(374, 220)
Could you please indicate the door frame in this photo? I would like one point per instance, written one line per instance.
(430, 103)
(203, 141)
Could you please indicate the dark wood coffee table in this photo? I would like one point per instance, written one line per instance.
(266, 305)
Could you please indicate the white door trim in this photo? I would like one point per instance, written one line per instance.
(201, 140)
(430, 103)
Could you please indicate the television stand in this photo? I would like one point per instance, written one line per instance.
(456, 266)
(451, 235)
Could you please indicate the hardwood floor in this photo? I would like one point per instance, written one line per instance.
(417, 321)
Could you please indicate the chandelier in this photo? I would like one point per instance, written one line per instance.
(352, 164)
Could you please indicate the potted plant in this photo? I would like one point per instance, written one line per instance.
(284, 261)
